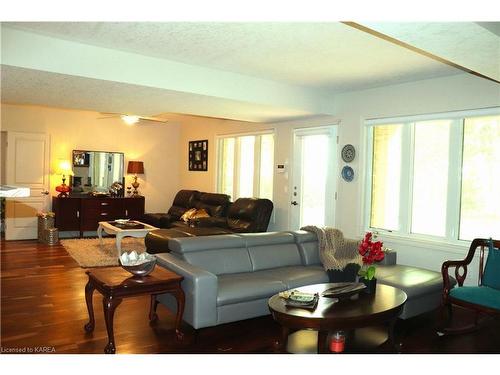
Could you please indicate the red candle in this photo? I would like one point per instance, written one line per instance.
(337, 342)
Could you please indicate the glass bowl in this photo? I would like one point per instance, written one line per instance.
(142, 269)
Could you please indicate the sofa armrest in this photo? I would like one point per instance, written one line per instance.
(167, 220)
(211, 221)
(200, 289)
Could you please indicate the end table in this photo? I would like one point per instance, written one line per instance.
(114, 283)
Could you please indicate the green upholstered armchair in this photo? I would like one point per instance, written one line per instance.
(483, 298)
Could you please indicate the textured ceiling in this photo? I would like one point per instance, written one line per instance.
(330, 56)
(26, 86)
(475, 46)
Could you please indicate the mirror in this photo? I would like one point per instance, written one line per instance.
(96, 171)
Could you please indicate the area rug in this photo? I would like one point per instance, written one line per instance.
(88, 252)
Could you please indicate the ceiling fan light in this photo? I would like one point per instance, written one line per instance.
(130, 120)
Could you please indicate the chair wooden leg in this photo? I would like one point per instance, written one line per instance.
(445, 316)
(445, 330)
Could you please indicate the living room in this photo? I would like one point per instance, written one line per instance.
(72, 82)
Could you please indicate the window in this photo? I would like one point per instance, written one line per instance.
(436, 176)
(245, 165)
(386, 169)
(480, 198)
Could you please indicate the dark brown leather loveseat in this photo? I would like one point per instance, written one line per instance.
(215, 204)
(245, 215)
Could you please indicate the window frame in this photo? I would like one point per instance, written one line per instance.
(454, 188)
(257, 161)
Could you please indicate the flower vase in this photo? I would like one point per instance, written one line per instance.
(371, 285)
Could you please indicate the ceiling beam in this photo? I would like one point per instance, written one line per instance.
(463, 45)
(28, 50)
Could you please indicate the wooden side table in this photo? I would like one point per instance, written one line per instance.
(114, 283)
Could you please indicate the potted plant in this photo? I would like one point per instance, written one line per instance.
(371, 252)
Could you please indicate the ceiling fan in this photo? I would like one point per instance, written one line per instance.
(132, 119)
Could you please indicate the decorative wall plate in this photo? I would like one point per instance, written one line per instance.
(347, 173)
(348, 153)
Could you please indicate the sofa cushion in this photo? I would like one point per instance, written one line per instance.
(215, 204)
(307, 242)
(479, 295)
(153, 219)
(219, 254)
(272, 250)
(184, 199)
(249, 286)
(185, 245)
(491, 275)
(249, 215)
(412, 280)
(297, 276)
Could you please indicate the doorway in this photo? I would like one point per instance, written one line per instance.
(27, 165)
(314, 181)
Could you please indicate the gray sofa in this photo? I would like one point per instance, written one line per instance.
(231, 277)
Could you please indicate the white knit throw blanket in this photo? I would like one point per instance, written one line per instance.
(335, 252)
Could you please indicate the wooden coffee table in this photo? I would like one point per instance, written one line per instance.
(121, 230)
(114, 283)
(361, 310)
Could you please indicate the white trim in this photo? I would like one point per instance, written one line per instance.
(243, 134)
(406, 185)
(237, 149)
(434, 116)
(313, 130)
(451, 239)
(368, 178)
(459, 248)
(332, 172)
(454, 179)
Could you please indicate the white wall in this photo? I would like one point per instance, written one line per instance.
(459, 92)
(156, 145)
(198, 128)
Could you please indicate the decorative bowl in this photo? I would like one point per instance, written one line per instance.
(138, 267)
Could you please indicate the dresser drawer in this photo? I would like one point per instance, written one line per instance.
(103, 214)
(101, 203)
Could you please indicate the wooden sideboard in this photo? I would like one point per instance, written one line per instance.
(84, 213)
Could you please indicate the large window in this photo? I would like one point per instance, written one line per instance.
(245, 165)
(436, 177)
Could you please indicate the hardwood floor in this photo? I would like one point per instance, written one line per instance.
(43, 310)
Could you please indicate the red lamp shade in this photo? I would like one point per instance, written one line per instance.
(136, 167)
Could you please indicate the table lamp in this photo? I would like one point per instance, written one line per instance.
(135, 167)
(64, 169)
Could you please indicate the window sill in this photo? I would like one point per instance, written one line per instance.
(459, 248)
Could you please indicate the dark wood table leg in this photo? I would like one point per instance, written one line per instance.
(392, 337)
(152, 308)
(89, 292)
(281, 343)
(179, 295)
(109, 305)
(322, 344)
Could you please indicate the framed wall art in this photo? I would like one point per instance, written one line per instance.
(198, 155)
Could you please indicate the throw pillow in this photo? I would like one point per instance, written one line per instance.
(491, 275)
(186, 216)
(201, 212)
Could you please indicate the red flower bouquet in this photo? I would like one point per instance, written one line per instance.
(371, 252)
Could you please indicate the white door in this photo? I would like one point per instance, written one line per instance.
(27, 166)
(314, 177)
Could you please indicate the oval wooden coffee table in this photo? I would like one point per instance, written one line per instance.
(358, 311)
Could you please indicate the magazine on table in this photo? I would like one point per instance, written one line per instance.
(304, 300)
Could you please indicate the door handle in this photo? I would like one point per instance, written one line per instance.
(45, 192)
(294, 203)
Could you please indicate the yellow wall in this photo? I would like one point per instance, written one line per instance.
(156, 145)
